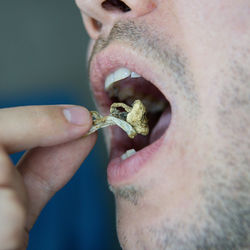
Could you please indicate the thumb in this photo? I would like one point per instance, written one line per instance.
(28, 127)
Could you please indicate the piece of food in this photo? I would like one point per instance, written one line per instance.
(132, 120)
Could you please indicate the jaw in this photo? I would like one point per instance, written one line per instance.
(162, 195)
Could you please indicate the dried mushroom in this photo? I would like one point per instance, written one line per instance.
(132, 120)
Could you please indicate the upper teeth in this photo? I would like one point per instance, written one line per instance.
(119, 74)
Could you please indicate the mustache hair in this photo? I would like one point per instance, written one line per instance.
(153, 46)
(126, 31)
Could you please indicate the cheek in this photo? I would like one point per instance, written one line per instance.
(232, 16)
(228, 20)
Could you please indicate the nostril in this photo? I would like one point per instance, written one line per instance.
(96, 24)
(115, 5)
(92, 26)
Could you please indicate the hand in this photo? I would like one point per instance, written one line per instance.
(52, 136)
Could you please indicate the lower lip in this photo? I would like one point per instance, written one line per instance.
(121, 171)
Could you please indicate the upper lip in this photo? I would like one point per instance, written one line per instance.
(112, 58)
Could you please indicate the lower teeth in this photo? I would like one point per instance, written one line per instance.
(128, 153)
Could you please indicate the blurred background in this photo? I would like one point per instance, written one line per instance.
(42, 61)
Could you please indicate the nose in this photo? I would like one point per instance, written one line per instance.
(100, 15)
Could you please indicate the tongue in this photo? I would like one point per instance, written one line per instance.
(161, 126)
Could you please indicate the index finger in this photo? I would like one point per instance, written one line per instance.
(22, 128)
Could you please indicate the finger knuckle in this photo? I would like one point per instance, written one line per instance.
(11, 204)
(41, 117)
(13, 219)
(46, 118)
(6, 169)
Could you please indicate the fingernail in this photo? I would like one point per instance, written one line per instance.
(77, 115)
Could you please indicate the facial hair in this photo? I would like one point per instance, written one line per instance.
(223, 220)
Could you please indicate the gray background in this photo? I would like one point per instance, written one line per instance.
(43, 46)
(42, 61)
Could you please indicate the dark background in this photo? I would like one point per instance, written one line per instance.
(42, 61)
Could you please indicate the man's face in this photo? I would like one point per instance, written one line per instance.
(187, 186)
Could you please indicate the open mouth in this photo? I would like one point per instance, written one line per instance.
(126, 86)
(126, 77)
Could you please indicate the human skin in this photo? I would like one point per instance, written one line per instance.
(194, 192)
(55, 150)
